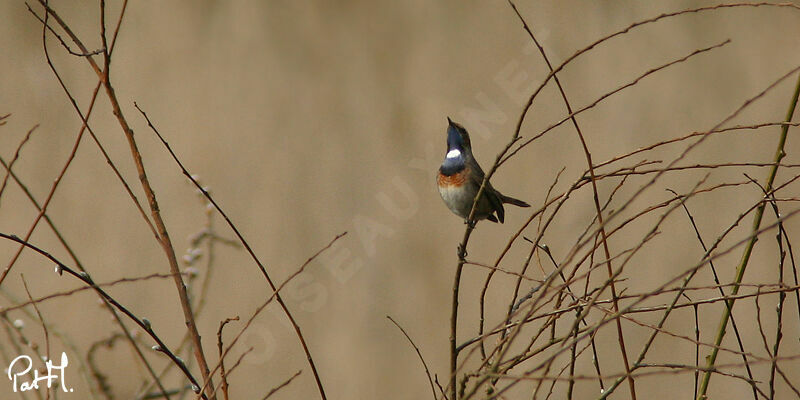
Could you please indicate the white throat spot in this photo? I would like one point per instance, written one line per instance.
(453, 153)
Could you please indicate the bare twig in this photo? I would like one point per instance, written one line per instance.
(223, 376)
(272, 297)
(282, 385)
(421, 359)
(726, 313)
(44, 328)
(14, 159)
(250, 251)
(163, 235)
(84, 277)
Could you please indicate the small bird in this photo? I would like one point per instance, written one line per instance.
(460, 178)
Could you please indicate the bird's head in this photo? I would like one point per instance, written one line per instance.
(457, 137)
(458, 148)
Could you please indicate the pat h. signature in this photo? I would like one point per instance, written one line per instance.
(55, 373)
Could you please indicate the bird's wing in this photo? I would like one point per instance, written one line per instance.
(489, 193)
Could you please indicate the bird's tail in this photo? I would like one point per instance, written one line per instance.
(511, 200)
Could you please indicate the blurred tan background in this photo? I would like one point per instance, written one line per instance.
(307, 119)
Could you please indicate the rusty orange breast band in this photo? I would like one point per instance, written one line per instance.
(456, 179)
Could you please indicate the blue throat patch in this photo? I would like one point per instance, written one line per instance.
(453, 165)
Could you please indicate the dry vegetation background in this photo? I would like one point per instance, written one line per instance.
(308, 119)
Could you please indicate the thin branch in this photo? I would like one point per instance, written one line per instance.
(223, 376)
(44, 328)
(421, 359)
(272, 297)
(14, 159)
(726, 313)
(282, 385)
(250, 251)
(84, 277)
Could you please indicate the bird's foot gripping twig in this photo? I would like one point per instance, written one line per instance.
(462, 252)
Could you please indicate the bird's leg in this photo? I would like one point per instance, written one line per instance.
(462, 252)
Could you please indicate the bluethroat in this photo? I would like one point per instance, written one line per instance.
(460, 177)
